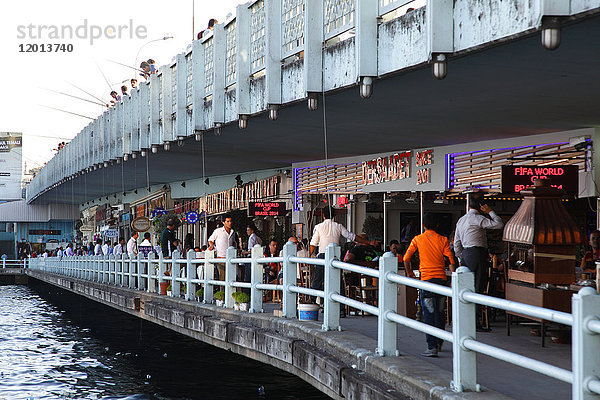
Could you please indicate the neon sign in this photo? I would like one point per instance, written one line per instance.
(519, 177)
(386, 169)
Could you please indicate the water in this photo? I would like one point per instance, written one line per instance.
(56, 345)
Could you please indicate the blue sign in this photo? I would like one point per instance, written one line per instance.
(192, 217)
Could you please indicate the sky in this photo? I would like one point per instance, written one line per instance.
(28, 79)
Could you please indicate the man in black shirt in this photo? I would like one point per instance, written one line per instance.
(167, 237)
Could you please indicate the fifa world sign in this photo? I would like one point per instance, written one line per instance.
(11, 170)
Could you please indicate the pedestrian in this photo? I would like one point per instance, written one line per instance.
(253, 240)
(69, 251)
(167, 237)
(151, 63)
(221, 239)
(432, 248)
(133, 82)
(470, 243)
(98, 247)
(124, 90)
(132, 248)
(120, 247)
(588, 262)
(106, 248)
(188, 243)
(145, 67)
(211, 26)
(325, 233)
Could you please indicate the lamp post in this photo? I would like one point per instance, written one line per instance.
(147, 43)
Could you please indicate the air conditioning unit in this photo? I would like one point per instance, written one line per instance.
(118, 207)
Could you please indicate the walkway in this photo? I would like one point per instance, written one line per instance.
(499, 376)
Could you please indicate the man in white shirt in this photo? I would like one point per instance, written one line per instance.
(118, 250)
(98, 248)
(325, 233)
(470, 240)
(253, 240)
(69, 251)
(221, 239)
(106, 248)
(132, 248)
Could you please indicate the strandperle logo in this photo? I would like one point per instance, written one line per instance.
(82, 31)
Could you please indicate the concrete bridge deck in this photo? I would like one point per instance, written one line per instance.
(341, 364)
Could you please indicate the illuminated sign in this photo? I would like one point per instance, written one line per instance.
(386, 169)
(266, 209)
(47, 232)
(423, 158)
(518, 177)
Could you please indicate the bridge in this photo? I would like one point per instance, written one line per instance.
(344, 364)
(248, 88)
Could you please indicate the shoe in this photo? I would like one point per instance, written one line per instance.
(430, 353)
(482, 329)
(439, 347)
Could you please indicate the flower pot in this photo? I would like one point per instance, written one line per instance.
(219, 303)
(163, 288)
(236, 306)
(169, 293)
(244, 307)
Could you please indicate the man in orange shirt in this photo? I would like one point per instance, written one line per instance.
(432, 248)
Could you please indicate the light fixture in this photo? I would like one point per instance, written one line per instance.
(135, 191)
(207, 181)
(154, 148)
(144, 152)
(118, 160)
(125, 157)
(366, 87)
(412, 199)
(105, 164)
(242, 121)
(440, 67)
(198, 137)
(313, 101)
(180, 140)
(218, 126)
(167, 146)
(182, 184)
(273, 112)
(551, 33)
(134, 154)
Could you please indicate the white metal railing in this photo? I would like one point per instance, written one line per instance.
(338, 17)
(13, 263)
(292, 27)
(257, 36)
(143, 274)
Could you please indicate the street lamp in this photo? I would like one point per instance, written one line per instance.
(147, 43)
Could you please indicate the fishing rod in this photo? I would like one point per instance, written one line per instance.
(89, 94)
(125, 65)
(76, 97)
(68, 112)
(104, 76)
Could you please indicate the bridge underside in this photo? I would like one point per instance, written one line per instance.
(503, 91)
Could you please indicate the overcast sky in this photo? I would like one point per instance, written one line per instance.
(26, 77)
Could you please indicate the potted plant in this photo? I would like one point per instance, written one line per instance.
(200, 294)
(164, 286)
(169, 290)
(219, 298)
(241, 301)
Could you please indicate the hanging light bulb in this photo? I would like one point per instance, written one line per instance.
(198, 137)
(313, 101)
(167, 146)
(134, 154)
(551, 33)
(218, 126)
(180, 140)
(366, 87)
(125, 157)
(273, 112)
(242, 121)
(154, 149)
(440, 67)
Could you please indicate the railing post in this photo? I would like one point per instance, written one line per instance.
(209, 273)
(125, 271)
(119, 268)
(132, 272)
(140, 270)
(464, 361)
(586, 344)
(290, 271)
(230, 276)
(161, 268)
(97, 268)
(151, 280)
(112, 259)
(256, 277)
(331, 312)
(189, 275)
(387, 332)
(4, 263)
(175, 273)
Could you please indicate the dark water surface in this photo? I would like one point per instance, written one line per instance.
(57, 345)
